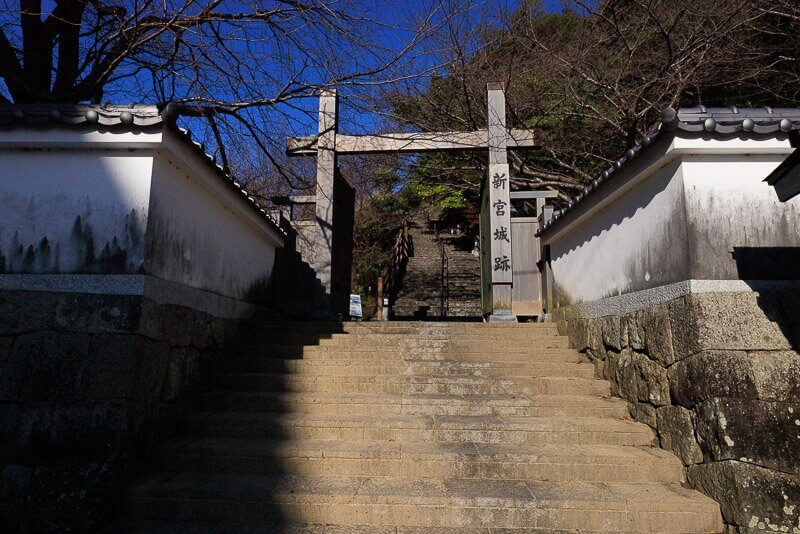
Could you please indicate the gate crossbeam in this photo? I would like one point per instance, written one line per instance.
(412, 142)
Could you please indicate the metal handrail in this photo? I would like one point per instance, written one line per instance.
(403, 249)
(444, 298)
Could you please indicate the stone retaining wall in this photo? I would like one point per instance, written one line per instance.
(88, 383)
(717, 376)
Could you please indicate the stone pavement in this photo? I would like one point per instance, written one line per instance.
(413, 427)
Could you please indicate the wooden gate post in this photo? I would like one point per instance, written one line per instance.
(380, 298)
(326, 176)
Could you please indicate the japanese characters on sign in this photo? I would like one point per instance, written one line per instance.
(500, 222)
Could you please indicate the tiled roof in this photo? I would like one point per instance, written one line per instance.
(123, 117)
(719, 122)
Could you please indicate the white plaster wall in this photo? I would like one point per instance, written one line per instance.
(736, 219)
(636, 242)
(73, 211)
(200, 235)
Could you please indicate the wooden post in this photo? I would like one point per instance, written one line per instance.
(380, 298)
(326, 174)
(546, 271)
(499, 187)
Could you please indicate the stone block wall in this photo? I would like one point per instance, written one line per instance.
(717, 376)
(88, 383)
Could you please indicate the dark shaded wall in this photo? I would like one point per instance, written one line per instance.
(88, 384)
(343, 220)
(294, 282)
(716, 376)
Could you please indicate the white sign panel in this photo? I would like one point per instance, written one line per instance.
(355, 305)
(500, 222)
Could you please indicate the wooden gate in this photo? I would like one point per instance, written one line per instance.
(526, 278)
(526, 291)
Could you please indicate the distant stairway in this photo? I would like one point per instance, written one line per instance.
(442, 279)
(413, 428)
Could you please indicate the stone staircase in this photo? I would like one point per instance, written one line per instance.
(428, 289)
(414, 428)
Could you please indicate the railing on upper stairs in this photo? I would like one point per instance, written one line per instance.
(444, 294)
(403, 249)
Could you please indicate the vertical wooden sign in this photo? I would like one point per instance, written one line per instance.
(500, 222)
(499, 187)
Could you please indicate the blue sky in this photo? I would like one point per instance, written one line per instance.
(356, 119)
(387, 28)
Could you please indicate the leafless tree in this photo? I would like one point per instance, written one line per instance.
(243, 67)
(596, 77)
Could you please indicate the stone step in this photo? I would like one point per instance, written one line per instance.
(436, 311)
(406, 340)
(410, 385)
(438, 335)
(255, 526)
(453, 344)
(552, 355)
(545, 341)
(358, 353)
(429, 503)
(402, 327)
(416, 429)
(400, 367)
(421, 460)
(388, 405)
(167, 526)
(453, 352)
(432, 334)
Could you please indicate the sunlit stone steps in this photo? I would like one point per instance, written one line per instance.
(409, 367)
(417, 384)
(517, 355)
(386, 405)
(421, 460)
(412, 428)
(430, 503)
(454, 428)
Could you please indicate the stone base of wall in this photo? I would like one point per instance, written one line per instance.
(88, 383)
(717, 376)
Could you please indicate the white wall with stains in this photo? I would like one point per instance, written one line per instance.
(636, 242)
(201, 235)
(701, 212)
(144, 204)
(739, 228)
(73, 211)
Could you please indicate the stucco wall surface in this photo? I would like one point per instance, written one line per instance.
(702, 217)
(72, 206)
(637, 242)
(198, 236)
(73, 211)
(737, 227)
